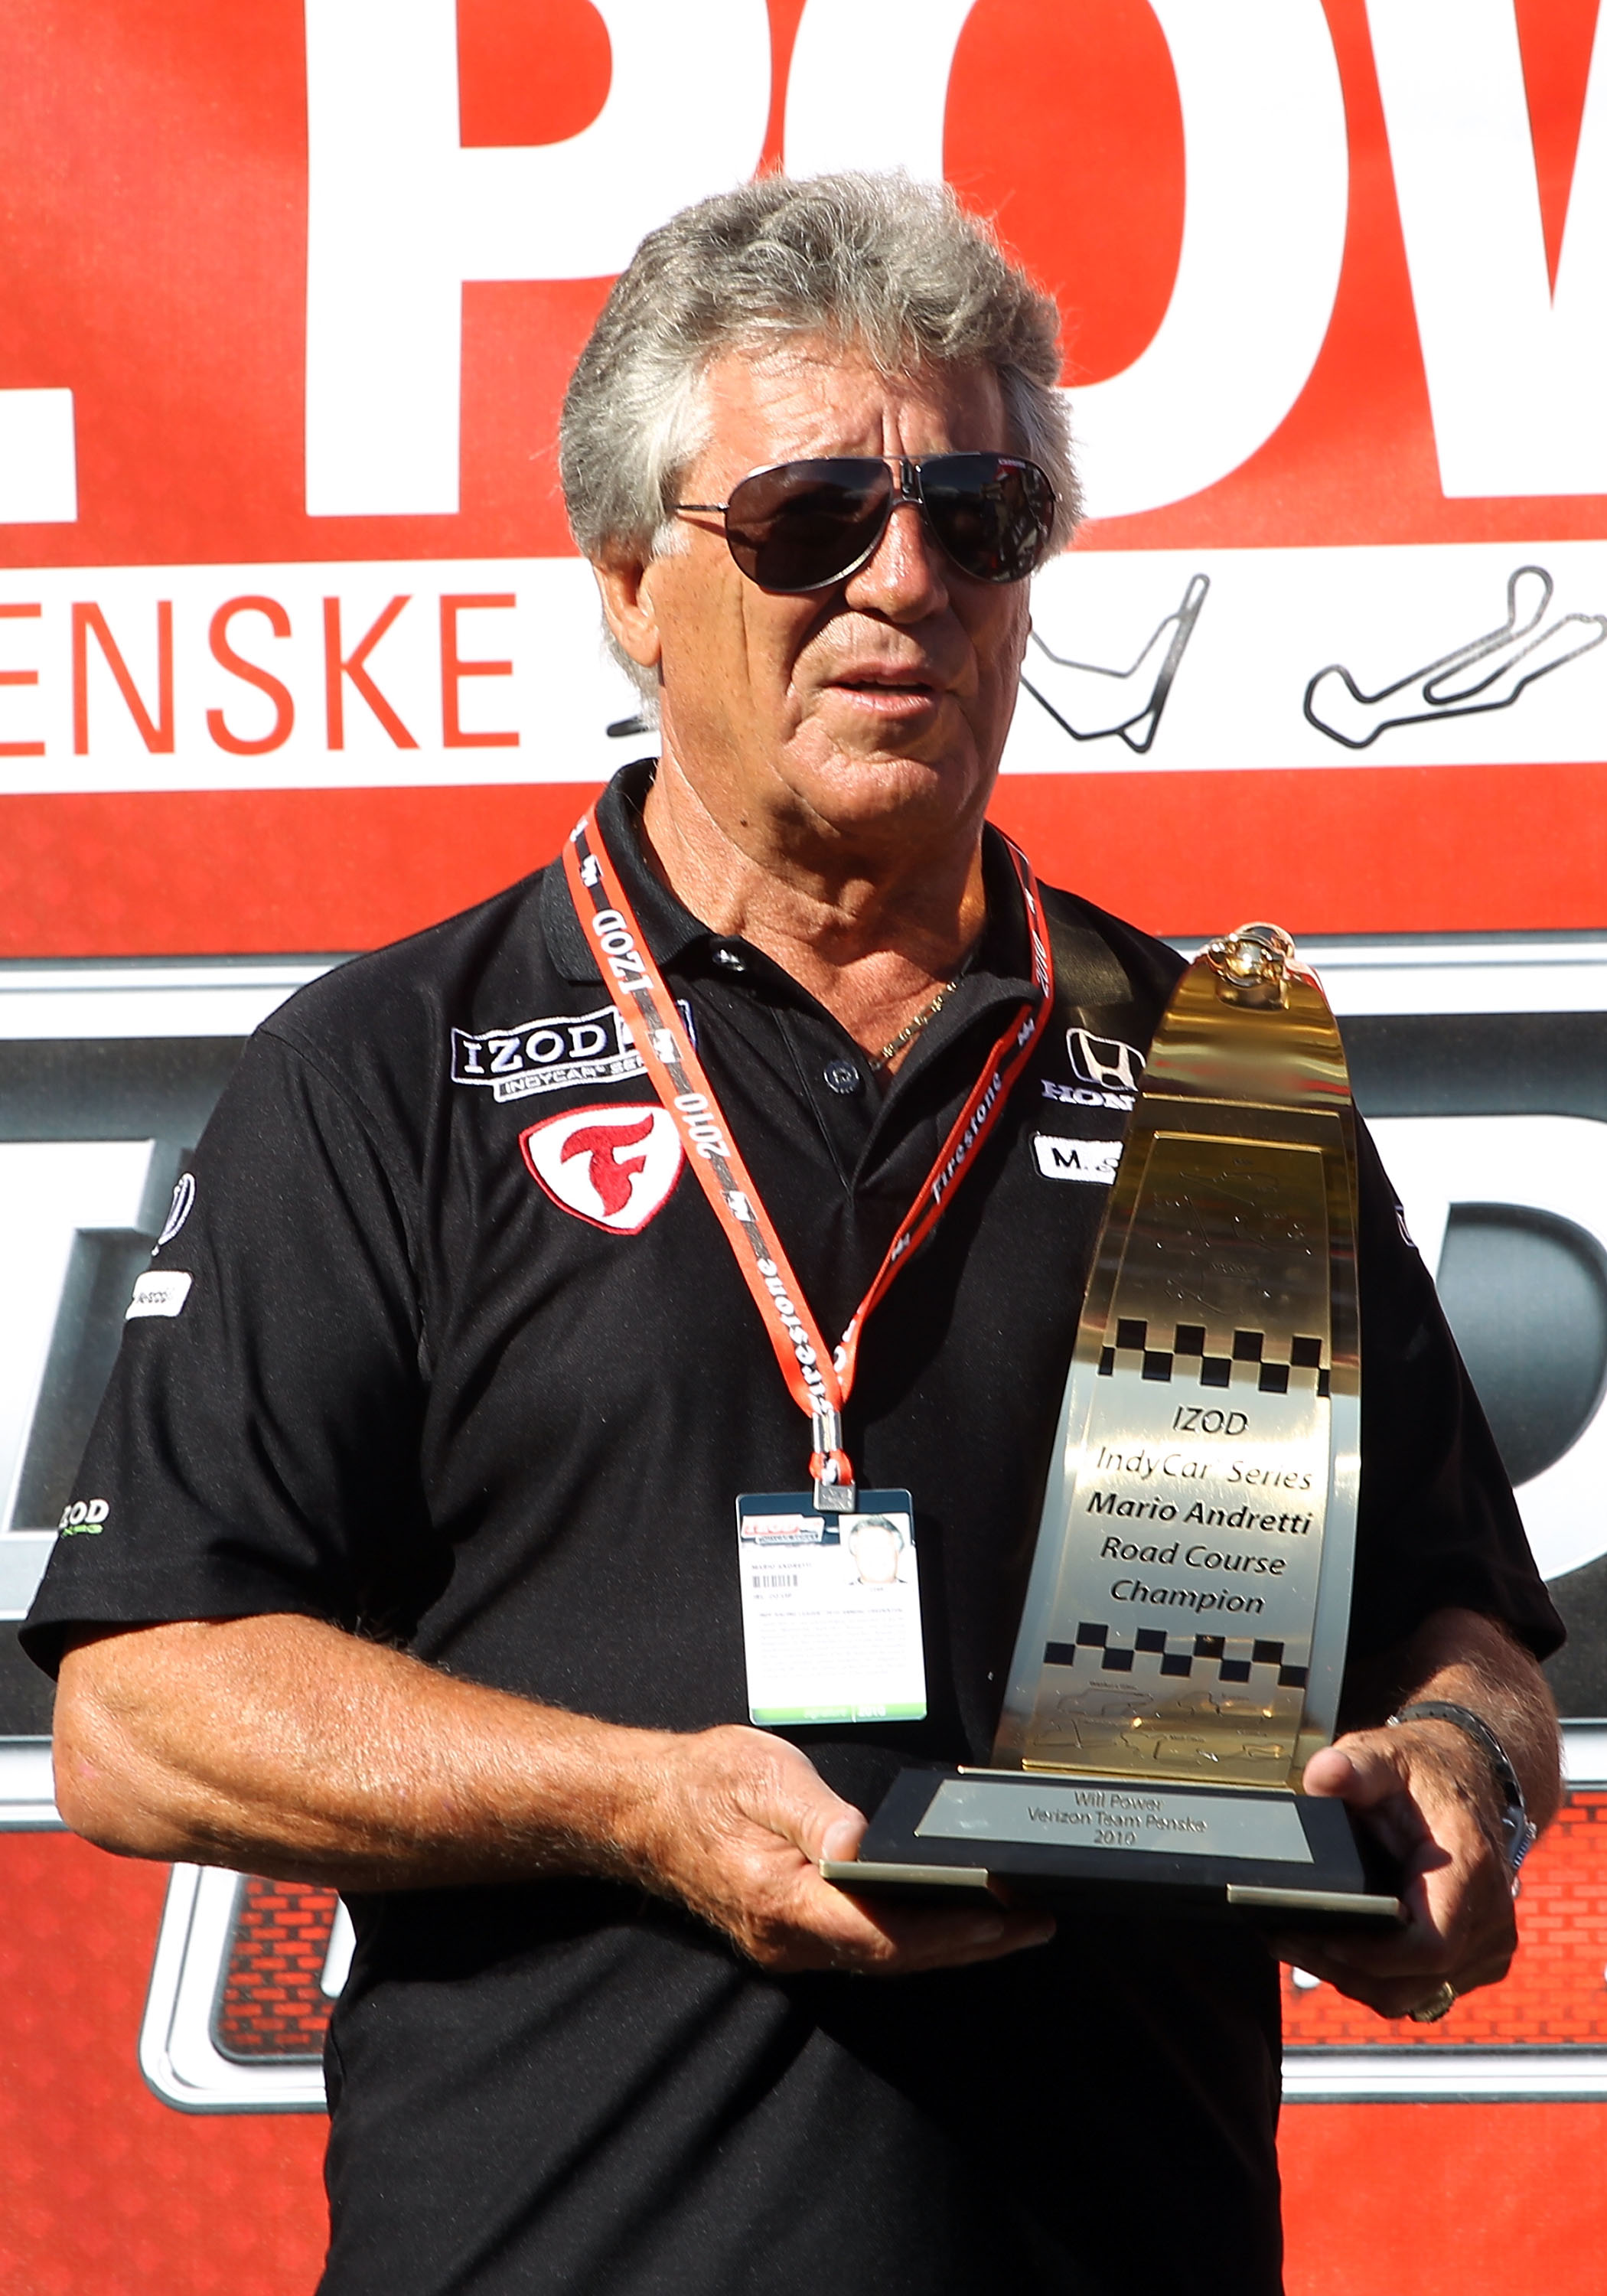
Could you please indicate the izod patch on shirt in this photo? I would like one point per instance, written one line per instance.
(613, 1165)
(831, 1610)
(554, 1054)
(83, 1515)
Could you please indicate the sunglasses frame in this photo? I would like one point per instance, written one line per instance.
(907, 487)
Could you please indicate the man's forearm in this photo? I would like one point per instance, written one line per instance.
(283, 1745)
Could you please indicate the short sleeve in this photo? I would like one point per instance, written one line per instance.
(1438, 1525)
(258, 1448)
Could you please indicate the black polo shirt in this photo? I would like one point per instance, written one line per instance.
(436, 1380)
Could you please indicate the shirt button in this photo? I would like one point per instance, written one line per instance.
(731, 958)
(843, 1076)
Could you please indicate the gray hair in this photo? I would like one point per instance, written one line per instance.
(896, 268)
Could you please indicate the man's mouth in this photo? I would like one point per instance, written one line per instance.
(886, 686)
(888, 682)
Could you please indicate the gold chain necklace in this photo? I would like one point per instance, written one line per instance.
(911, 1029)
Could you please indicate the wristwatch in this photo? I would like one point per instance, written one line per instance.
(1518, 1829)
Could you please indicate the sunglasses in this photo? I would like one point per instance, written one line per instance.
(804, 526)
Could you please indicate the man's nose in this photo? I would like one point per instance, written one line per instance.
(904, 577)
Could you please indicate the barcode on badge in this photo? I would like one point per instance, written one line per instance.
(775, 1582)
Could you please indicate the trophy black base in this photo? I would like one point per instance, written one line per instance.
(1280, 1861)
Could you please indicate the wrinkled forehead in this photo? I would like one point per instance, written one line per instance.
(807, 394)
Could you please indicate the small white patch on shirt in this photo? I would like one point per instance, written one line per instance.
(160, 1293)
(1059, 1158)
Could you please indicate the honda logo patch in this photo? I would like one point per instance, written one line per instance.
(1104, 1061)
(613, 1165)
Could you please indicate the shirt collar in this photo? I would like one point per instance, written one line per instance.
(999, 966)
(668, 927)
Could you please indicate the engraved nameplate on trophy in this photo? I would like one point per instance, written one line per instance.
(1183, 1635)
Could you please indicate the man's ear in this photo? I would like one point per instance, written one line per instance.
(627, 593)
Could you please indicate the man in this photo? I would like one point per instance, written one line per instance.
(418, 1572)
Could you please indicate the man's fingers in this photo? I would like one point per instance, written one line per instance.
(828, 1926)
(1372, 1773)
(1362, 1771)
(788, 1793)
(872, 1937)
(843, 1835)
(740, 1778)
(1394, 1996)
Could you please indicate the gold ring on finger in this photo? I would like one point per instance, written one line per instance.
(1440, 2004)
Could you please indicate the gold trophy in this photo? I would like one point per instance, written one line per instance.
(1183, 1638)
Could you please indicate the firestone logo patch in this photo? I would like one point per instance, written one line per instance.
(614, 1166)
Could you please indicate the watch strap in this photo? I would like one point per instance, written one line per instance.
(1518, 1829)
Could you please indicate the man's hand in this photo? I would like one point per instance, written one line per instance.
(734, 1828)
(1426, 1791)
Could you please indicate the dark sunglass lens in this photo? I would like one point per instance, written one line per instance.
(802, 526)
(992, 514)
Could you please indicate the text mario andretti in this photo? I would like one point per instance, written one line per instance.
(1174, 1479)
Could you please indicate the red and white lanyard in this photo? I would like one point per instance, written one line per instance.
(821, 1380)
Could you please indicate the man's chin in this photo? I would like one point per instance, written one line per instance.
(935, 784)
(896, 720)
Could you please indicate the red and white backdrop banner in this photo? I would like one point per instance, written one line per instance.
(297, 654)
(296, 648)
